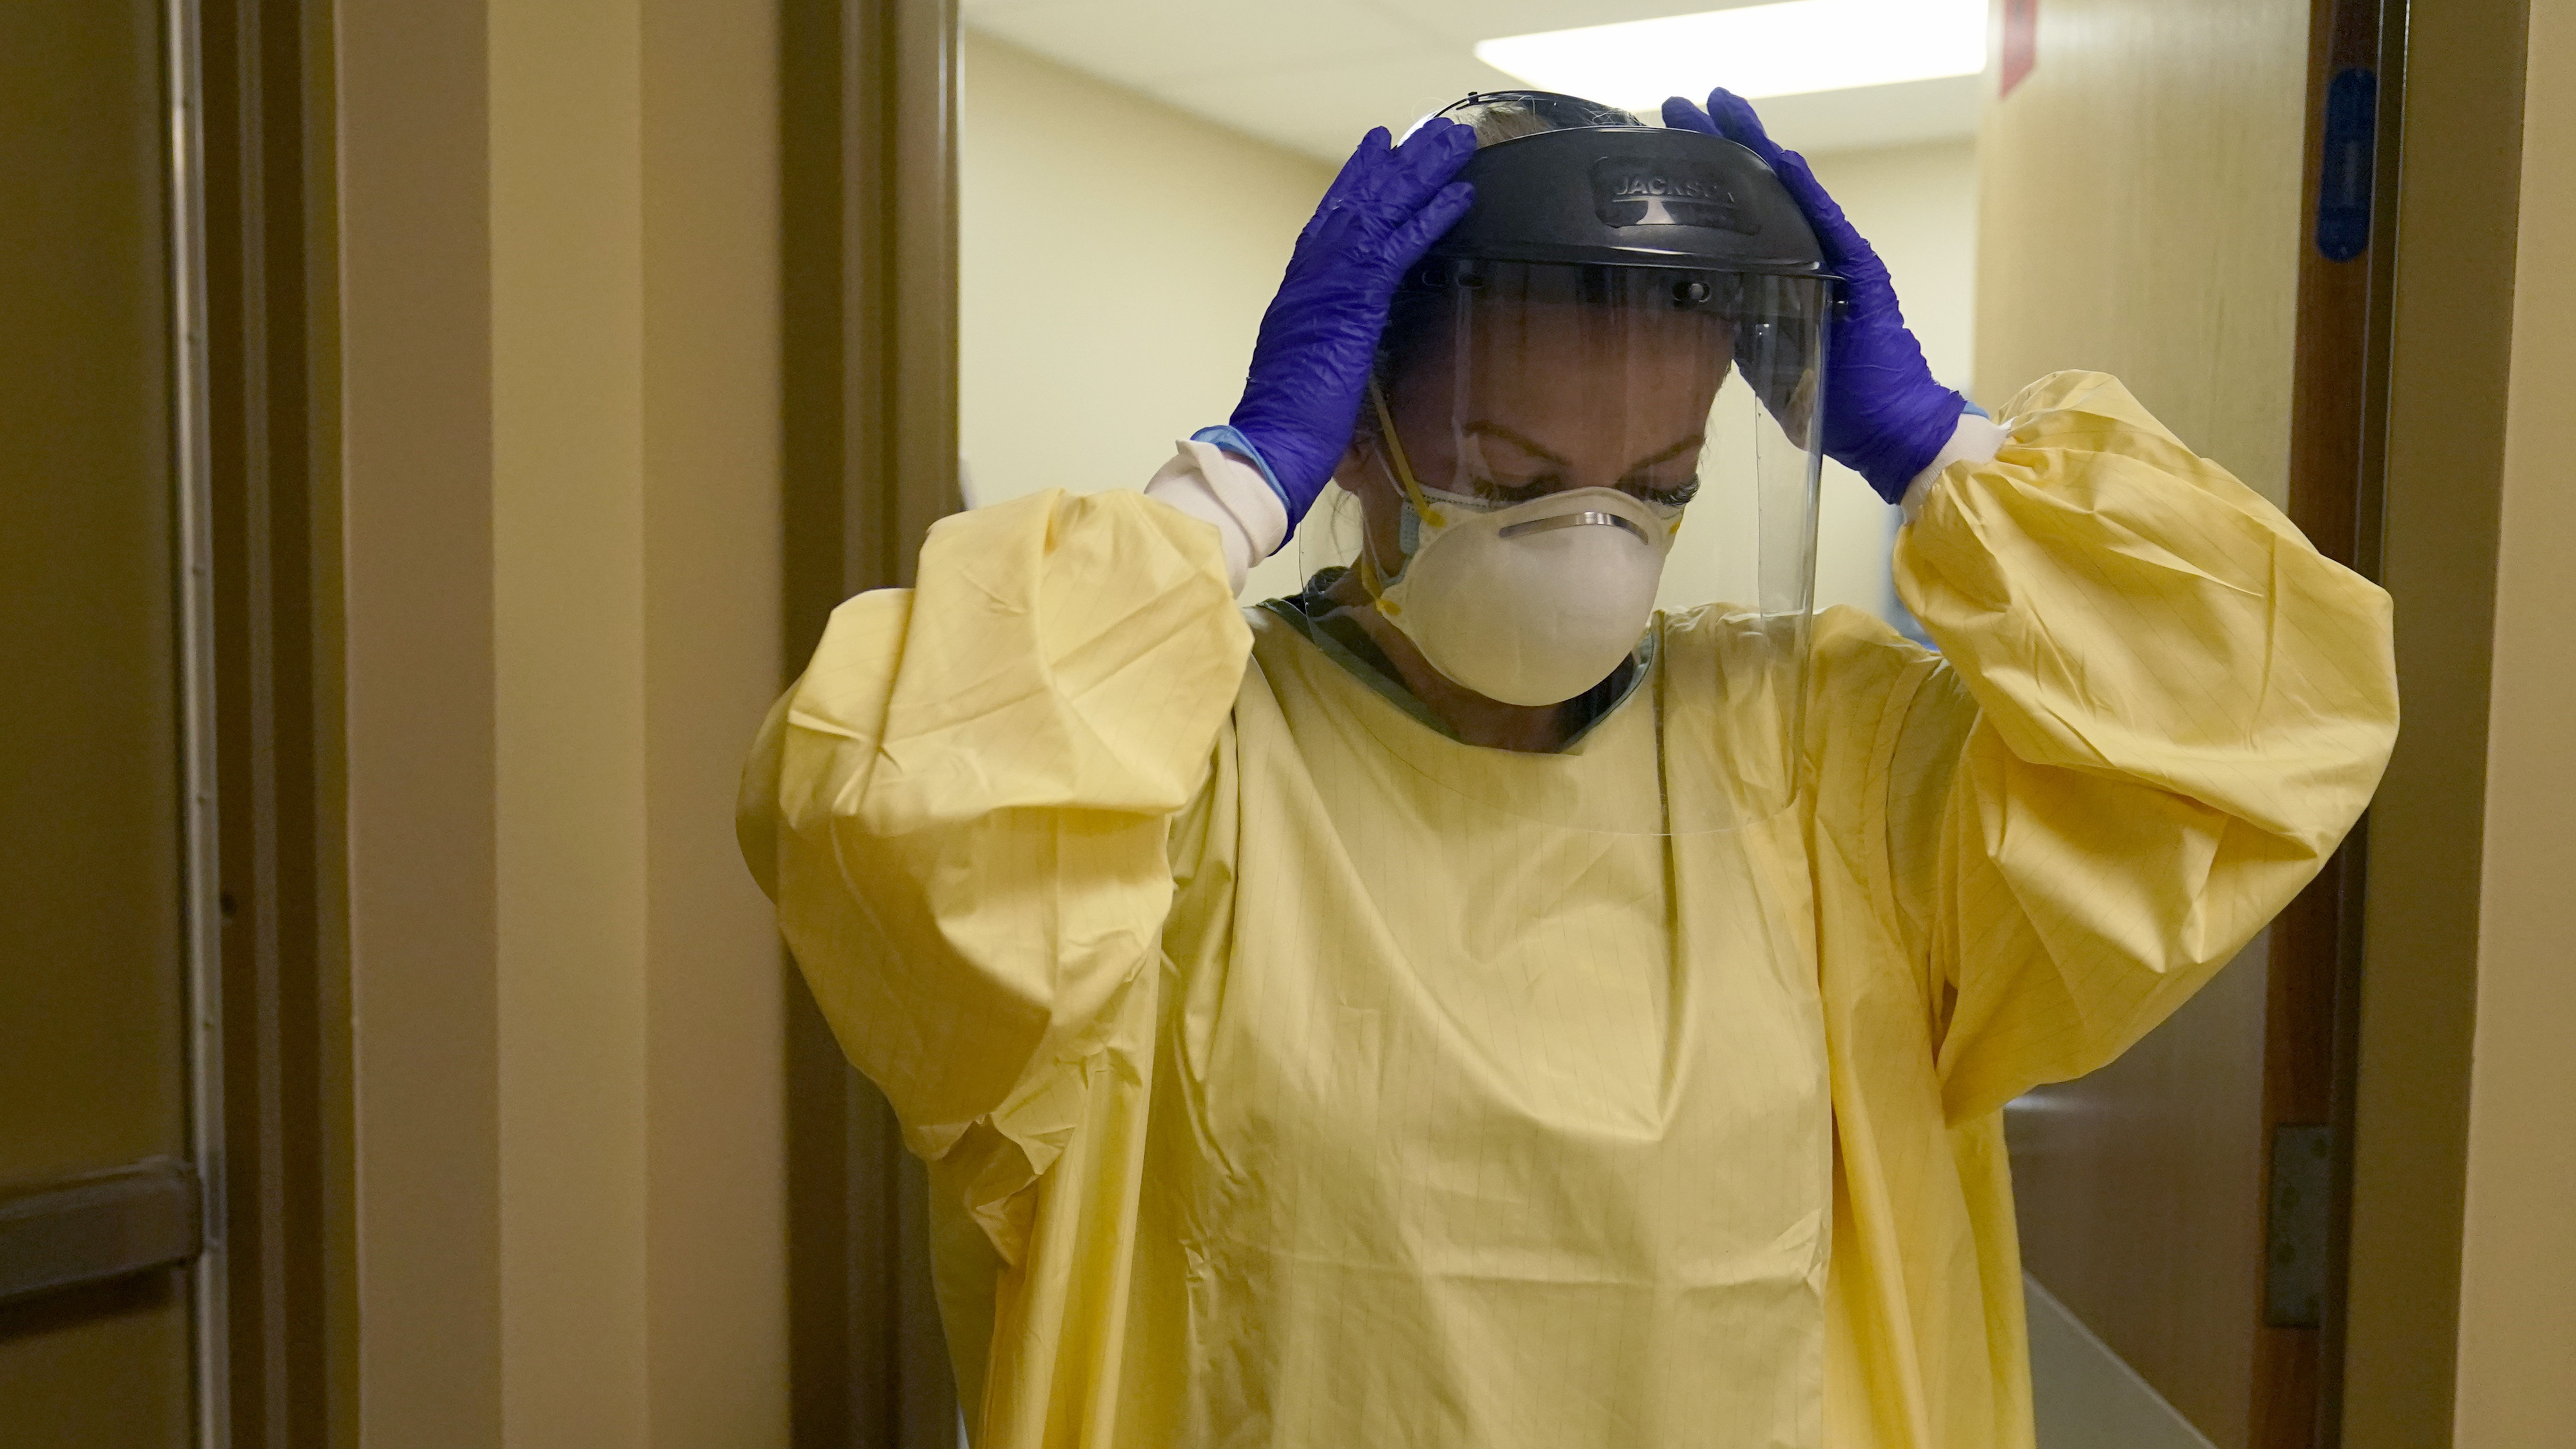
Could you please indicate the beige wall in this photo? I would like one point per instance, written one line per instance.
(1117, 255)
(416, 430)
(560, 286)
(2188, 201)
(1918, 207)
(714, 1143)
(568, 588)
(2518, 1274)
(635, 521)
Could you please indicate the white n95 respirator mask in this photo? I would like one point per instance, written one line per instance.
(1528, 603)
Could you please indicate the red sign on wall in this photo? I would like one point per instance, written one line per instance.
(2021, 41)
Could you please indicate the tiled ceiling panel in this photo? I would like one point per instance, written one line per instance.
(1314, 75)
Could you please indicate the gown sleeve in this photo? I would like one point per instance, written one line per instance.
(962, 808)
(2168, 709)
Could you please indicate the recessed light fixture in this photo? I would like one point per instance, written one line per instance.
(1754, 50)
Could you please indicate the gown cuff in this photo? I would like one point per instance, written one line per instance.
(1208, 483)
(1975, 439)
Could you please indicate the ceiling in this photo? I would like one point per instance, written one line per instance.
(1314, 75)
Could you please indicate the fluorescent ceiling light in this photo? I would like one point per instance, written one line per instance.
(1754, 50)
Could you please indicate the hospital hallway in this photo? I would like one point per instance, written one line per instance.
(443, 440)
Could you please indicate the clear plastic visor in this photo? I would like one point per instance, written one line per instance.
(1631, 445)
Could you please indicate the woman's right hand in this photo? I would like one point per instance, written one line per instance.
(1319, 339)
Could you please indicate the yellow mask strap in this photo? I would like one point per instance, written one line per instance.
(1395, 457)
(1370, 583)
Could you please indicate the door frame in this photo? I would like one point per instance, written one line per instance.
(276, 1108)
(2311, 997)
(868, 95)
(2396, 471)
(2433, 438)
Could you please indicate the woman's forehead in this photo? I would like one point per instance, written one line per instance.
(1564, 335)
(1571, 351)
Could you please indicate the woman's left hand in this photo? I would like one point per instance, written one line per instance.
(1885, 417)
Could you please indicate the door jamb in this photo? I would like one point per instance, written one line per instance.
(868, 289)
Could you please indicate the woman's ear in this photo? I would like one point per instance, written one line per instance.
(1358, 471)
(1347, 471)
(1364, 475)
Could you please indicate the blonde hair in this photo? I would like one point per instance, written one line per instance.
(1508, 122)
(1507, 117)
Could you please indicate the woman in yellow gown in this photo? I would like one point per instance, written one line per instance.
(1305, 1051)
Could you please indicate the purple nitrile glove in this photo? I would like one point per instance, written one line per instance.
(1885, 418)
(1319, 338)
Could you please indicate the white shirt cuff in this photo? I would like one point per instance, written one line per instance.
(1974, 440)
(1206, 482)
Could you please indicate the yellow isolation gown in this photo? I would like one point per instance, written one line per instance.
(1279, 1090)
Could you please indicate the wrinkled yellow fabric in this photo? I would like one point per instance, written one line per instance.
(1277, 1092)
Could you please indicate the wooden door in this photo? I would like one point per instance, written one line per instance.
(2179, 192)
(102, 818)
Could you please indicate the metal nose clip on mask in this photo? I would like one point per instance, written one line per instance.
(1528, 603)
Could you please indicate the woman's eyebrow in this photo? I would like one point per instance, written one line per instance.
(1497, 430)
(1691, 444)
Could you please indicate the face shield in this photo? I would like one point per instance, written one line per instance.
(1592, 429)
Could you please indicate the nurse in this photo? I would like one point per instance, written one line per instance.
(1541, 985)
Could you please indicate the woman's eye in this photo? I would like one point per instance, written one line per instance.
(1520, 490)
(1663, 494)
